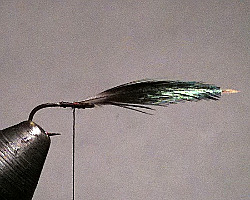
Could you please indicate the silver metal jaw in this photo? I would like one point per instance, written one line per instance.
(23, 150)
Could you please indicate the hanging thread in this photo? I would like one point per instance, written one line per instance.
(73, 154)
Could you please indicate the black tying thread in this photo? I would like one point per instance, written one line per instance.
(61, 104)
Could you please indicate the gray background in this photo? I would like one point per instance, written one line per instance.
(69, 50)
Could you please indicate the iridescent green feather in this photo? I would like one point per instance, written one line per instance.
(155, 92)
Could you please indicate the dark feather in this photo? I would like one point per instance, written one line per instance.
(155, 92)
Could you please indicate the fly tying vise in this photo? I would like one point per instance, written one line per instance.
(24, 147)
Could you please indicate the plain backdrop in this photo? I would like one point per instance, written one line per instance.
(54, 51)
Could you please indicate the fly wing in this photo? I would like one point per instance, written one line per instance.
(141, 94)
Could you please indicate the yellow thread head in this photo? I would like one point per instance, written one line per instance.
(229, 91)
